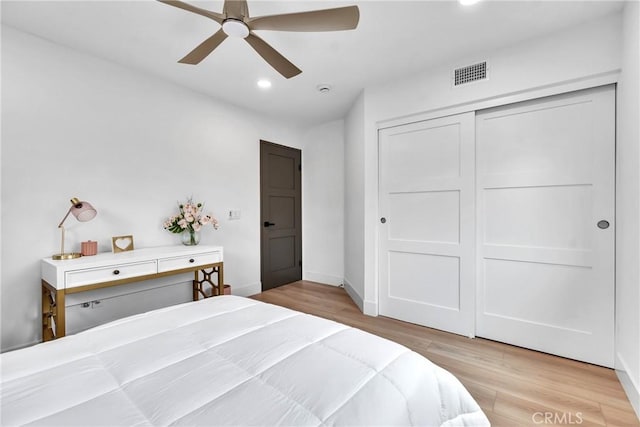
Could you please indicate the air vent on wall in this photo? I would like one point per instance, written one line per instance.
(470, 73)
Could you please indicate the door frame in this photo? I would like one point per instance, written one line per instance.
(371, 294)
(298, 208)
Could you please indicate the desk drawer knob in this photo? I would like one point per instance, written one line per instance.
(116, 272)
(192, 260)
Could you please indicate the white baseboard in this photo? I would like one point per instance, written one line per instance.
(370, 308)
(353, 294)
(630, 387)
(322, 278)
(247, 290)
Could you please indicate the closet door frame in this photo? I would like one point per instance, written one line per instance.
(370, 297)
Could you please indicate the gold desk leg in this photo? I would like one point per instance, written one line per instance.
(53, 315)
(221, 279)
(216, 288)
(47, 314)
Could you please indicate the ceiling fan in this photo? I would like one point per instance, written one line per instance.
(236, 22)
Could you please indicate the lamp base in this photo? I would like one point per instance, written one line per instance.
(68, 255)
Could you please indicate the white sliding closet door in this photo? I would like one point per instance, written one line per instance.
(427, 238)
(545, 188)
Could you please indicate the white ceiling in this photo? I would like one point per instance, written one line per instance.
(394, 39)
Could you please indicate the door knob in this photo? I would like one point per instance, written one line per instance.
(383, 220)
(603, 224)
(268, 224)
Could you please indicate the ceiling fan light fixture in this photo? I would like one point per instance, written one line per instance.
(235, 28)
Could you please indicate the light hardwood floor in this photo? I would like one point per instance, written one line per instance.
(514, 386)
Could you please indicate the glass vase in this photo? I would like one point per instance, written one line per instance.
(190, 238)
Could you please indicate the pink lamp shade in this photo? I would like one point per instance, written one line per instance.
(83, 211)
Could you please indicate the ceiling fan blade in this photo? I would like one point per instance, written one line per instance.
(236, 9)
(269, 54)
(218, 17)
(341, 18)
(204, 48)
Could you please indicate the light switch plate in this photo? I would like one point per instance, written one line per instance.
(234, 214)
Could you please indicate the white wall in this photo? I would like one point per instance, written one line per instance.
(578, 52)
(323, 203)
(574, 55)
(628, 209)
(354, 202)
(131, 144)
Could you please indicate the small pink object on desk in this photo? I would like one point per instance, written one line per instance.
(88, 248)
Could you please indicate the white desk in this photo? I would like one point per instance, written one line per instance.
(61, 277)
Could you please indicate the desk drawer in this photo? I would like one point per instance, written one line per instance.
(107, 274)
(176, 263)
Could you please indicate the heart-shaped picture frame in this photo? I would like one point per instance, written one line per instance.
(122, 243)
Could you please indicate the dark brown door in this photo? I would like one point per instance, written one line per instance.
(280, 214)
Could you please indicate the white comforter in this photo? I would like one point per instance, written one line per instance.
(228, 361)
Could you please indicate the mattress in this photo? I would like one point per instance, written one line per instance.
(228, 361)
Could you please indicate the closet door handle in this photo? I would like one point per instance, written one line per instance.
(268, 224)
(603, 224)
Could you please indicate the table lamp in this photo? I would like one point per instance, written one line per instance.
(83, 211)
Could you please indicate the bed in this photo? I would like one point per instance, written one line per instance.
(228, 360)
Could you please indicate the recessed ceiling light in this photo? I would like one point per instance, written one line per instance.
(264, 84)
(468, 2)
